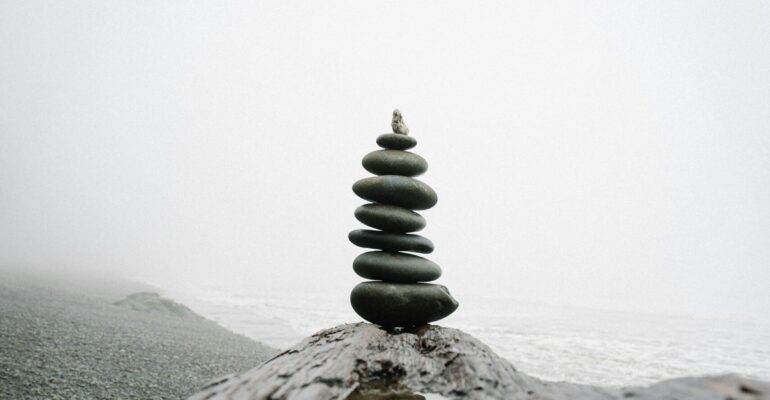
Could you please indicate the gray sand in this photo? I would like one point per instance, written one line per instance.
(58, 344)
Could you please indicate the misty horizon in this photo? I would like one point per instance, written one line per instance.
(586, 155)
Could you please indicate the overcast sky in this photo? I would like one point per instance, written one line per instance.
(607, 154)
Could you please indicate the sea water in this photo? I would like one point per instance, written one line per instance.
(570, 344)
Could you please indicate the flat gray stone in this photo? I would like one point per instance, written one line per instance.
(390, 241)
(401, 304)
(395, 267)
(389, 218)
(396, 141)
(394, 162)
(396, 190)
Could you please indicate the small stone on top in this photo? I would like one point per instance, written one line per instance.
(398, 124)
(396, 141)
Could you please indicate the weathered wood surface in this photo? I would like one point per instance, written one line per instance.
(362, 361)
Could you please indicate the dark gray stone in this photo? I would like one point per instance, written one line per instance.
(390, 241)
(396, 267)
(394, 162)
(395, 141)
(401, 304)
(396, 190)
(390, 218)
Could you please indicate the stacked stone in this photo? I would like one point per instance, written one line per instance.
(397, 295)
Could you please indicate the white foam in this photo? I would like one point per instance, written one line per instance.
(553, 343)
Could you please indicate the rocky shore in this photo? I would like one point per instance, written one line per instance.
(126, 342)
(60, 343)
(364, 361)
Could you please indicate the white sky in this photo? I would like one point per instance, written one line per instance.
(608, 154)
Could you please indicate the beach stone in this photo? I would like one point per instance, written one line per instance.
(394, 162)
(390, 241)
(395, 141)
(389, 218)
(401, 304)
(395, 267)
(396, 190)
(397, 123)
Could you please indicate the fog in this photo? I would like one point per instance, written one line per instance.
(597, 154)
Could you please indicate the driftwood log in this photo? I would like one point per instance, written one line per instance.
(363, 361)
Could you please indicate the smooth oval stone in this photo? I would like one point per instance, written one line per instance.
(389, 218)
(394, 162)
(396, 190)
(390, 241)
(402, 304)
(396, 141)
(395, 267)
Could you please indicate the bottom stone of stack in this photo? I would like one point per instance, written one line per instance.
(401, 304)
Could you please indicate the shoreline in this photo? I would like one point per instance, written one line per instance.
(74, 342)
(575, 345)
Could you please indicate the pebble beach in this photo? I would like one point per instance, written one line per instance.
(57, 343)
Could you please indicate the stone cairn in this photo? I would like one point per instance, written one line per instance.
(396, 297)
